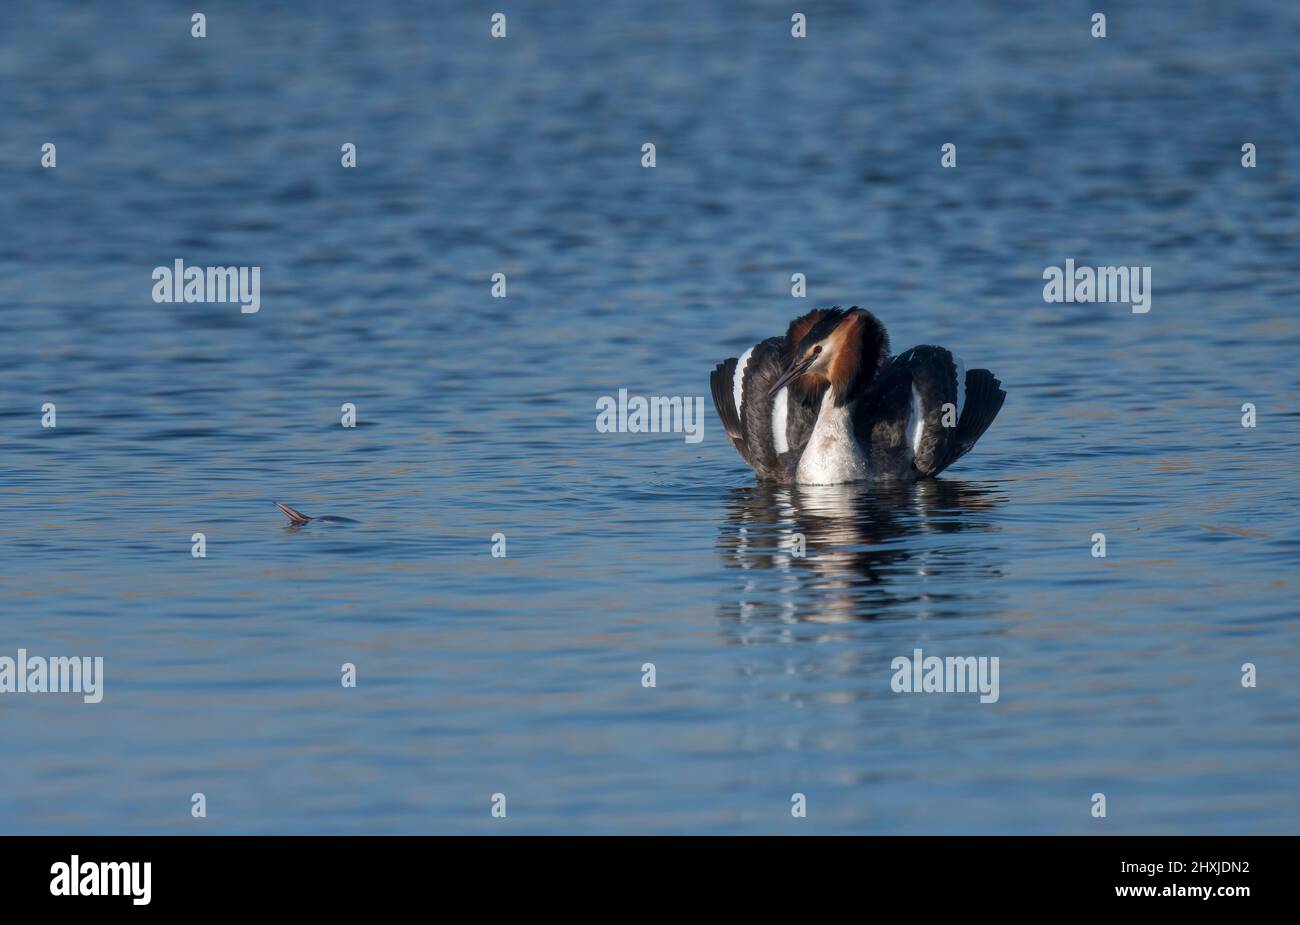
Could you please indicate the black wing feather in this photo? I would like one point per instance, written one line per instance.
(720, 381)
(924, 379)
(750, 426)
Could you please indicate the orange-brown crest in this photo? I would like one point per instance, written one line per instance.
(846, 342)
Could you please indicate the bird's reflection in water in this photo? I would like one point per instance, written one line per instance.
(870, 551)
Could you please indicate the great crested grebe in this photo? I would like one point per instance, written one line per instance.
(826, 403)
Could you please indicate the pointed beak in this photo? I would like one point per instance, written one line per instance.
(794, 371)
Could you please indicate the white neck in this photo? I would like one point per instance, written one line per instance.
(832, 454)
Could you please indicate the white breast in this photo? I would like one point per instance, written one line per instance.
(832, 454)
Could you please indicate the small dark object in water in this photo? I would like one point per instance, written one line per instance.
(299, 519)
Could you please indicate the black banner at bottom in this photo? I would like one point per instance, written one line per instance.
(335, 875)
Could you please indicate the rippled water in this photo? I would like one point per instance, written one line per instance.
(481, 675)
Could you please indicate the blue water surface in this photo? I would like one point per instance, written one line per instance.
(523, 675)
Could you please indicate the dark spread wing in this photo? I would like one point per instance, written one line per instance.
(740, 393)
(924, 411)
(720, 384)
(769, 431)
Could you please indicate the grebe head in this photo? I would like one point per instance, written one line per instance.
(839, 349)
